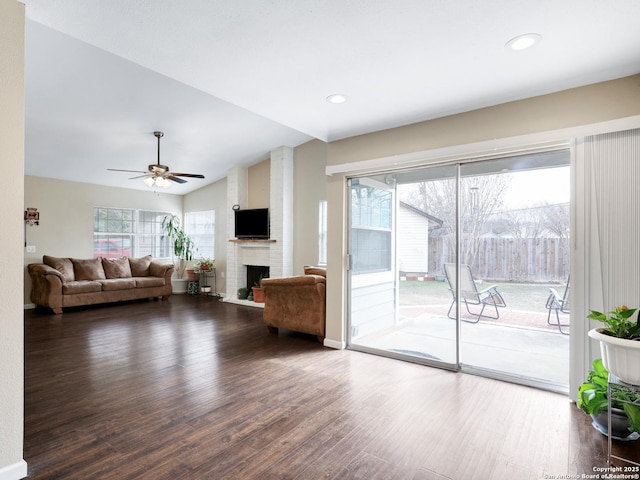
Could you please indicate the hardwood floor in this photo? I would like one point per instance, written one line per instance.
(194, 388)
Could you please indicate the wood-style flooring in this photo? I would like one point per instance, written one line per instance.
(193, 388)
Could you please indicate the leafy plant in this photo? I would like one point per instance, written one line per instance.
(181, 244)
(592, 396)
(618, 322)
(203, 265)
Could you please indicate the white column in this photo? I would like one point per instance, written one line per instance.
(281, 212)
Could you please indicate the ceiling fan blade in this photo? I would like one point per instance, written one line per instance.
(130, 171)
(141, 176)
(192, 175)
(174, 178)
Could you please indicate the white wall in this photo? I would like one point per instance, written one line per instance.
(66, 215)
(12, 21)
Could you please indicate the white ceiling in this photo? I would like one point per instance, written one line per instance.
(228, 81)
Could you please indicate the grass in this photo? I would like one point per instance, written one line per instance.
(519, 296)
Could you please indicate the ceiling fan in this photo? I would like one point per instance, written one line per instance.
(159, 174)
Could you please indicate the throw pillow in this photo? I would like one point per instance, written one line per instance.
(140, 266)
(116, 267)
(63, 265)
(88, 269)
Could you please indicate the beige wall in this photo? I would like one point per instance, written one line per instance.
(542, 115)
(214, 197)
(258, 185)
(66, 215)
(309, 188)
(12, 21)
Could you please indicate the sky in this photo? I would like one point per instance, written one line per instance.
(533, 186)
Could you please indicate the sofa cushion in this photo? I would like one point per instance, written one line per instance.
(308, 270)
(88, 269)
(81, 286)
(140, 266)
(142, 282)
(116, 267)
(112, 284)
(63, 265)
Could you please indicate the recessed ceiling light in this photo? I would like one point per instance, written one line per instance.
(522, 42)
(337, 98)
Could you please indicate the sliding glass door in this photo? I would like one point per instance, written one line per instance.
(457, 265)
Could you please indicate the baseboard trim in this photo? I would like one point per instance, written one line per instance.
(14, 472)
(29, 306)
(334, 344)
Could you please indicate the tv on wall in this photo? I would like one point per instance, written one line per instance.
(252, 223)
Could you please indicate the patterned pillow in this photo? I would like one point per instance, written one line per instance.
(116, 267)
(88, 269)
(63, 265)
(140, 266)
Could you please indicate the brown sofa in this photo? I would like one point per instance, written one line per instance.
(69, 282)
(296, 303)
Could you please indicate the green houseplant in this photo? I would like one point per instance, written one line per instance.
(619, 342)
(618, 322)
(182, 246)
(592, 399)
(203, 265)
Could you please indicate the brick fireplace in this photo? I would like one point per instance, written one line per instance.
(276, 253)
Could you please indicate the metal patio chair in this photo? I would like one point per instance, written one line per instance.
(558, 304)
(470, 295)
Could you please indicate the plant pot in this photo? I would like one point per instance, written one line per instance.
(191, 275)
(179, 285)
(620, 356)
(205, 289)
(619, 424)
(258, 294)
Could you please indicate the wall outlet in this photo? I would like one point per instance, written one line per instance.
(31, 249)
(222, 274)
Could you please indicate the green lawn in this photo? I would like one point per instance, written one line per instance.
(519, 296)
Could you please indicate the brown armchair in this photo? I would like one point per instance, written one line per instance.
(296, 303)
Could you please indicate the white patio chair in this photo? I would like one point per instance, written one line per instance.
(470, 295)
(558, 304)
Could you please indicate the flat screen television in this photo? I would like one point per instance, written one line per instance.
(252, 223)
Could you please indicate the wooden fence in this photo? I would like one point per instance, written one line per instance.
(532, 260)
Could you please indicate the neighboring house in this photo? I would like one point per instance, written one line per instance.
(414, 226)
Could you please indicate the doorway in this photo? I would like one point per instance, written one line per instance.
(454, 265)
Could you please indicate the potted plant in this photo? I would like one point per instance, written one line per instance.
(243, 293)
(258, 293)
(592, 399)
(619, 342)
(203, 265)
(181, 244)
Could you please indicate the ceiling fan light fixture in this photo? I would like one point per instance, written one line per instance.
(160, 181)
(523, 42)
(149, 181)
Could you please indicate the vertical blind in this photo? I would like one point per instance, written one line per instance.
(613, 160)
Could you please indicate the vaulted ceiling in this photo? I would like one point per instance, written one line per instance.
(229, 81)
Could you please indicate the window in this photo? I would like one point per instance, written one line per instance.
(371, 210)
(125, 232)
(200, 226)
(322, 233)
